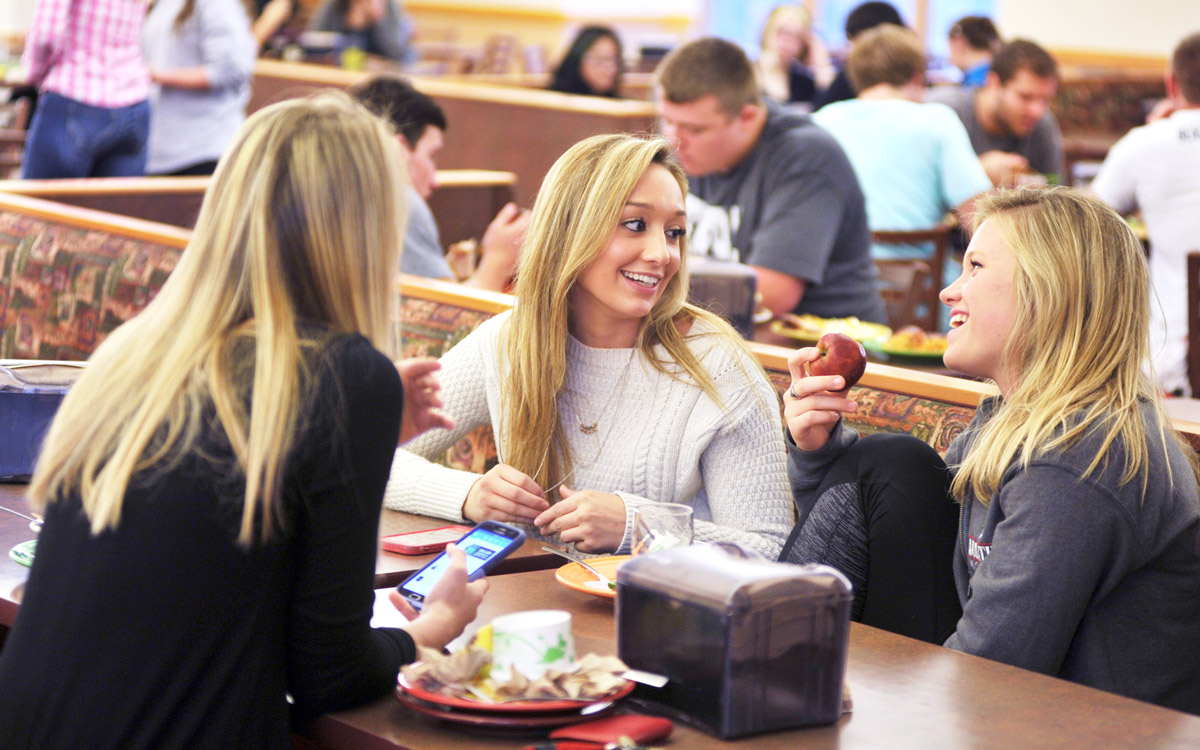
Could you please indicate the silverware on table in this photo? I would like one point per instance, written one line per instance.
(38, 520)
(580, 561)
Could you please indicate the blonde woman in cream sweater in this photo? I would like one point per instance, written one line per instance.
(604, 388)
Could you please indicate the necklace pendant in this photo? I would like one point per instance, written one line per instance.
(588, 429)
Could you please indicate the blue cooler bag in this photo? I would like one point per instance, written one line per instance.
(30, 393)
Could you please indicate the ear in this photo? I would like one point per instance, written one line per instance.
(1172, 87)
(747, 114)
(993, 81)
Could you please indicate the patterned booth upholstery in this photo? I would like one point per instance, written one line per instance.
(68, 277)
(435, 316)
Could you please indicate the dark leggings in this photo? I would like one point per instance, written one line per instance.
(884, 517)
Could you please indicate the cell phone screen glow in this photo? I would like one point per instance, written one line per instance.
(480, 546)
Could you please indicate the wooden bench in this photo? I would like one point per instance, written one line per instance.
(491, 126)
(463, 205)
(1096, 106)
(69, 276)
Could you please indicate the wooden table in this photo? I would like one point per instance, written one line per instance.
(907, 694)
(13, 530)
(390, 568)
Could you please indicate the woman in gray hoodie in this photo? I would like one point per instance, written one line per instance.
(1078, 541)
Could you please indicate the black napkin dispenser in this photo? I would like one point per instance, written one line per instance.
(746, 645)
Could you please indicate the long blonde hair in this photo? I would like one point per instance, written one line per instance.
(1078, 342)
(577, 210)
(302, 224)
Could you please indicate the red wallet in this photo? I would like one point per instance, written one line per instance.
(596, 734)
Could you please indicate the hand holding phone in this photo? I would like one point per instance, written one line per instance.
(484, 546)
(451, 606)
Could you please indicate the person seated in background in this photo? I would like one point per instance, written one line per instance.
(201, 55)
(212, 483)
(768, 188)
(1155, 169)
(863, 17)
(420, 123)
(973, 40)
(793, 64)
(1077, 551)
(914, 160)
(593, 64)
(272, 17)
(603, 383)
(1009, 120)
(377, 27)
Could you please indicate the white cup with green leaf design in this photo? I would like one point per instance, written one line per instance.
(532, 642)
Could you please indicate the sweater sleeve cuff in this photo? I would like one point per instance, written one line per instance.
(806, 469)
(631, 502)
(442, 494)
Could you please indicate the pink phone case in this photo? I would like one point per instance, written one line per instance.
(423, 542)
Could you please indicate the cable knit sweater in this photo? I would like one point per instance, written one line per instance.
(657, 439)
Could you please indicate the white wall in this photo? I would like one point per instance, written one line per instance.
(15, 15)
(1141, 27)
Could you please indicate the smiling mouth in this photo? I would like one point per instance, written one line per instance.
(642, 279)
(957, 319)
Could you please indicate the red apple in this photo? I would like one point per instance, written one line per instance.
(840, 355)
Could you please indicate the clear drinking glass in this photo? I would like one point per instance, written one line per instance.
(661, 526)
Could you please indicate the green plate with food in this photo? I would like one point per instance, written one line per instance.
(910, 343)
(23, 552)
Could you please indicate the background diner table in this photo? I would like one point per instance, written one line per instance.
(906, 694)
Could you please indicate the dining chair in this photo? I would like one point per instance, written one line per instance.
(910, 286)
(14, 122)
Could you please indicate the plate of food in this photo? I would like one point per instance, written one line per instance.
(535, 706)
(520, 721)
(810, 328)
(23, 552)
(461, 687)
(575, 576)
(911, 342)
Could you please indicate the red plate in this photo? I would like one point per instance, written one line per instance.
(512, 707)
(499, 721)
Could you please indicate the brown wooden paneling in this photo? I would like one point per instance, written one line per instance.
(493, 127)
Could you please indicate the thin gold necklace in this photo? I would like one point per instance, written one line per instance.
(590, 429)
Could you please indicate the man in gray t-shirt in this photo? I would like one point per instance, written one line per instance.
(1009, 119)
(769, 189)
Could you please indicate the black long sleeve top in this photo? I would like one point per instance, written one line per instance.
(165, 632)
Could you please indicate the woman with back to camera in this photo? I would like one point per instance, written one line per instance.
(1078, 542)
(603, 383)
(212, 483)
(593, 64)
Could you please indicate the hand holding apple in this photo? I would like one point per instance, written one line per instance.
(838, 354)
(813, 403)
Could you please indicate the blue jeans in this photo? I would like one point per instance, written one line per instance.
(72, 139)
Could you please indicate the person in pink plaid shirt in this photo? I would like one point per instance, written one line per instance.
(93, 117)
